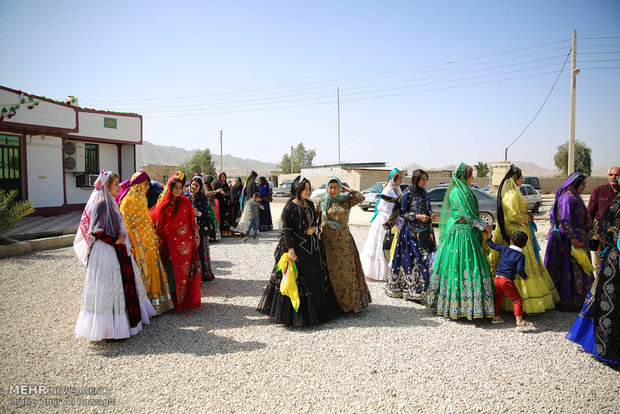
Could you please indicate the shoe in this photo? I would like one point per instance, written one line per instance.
(496, 321)
(245, 238)
(255, 237)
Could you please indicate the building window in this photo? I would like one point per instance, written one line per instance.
(92, 158)
(9, 158)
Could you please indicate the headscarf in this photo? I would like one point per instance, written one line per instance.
(465, 200)
(179, 175)
(391, 185)
(101, 214)
(207, 182)
(509, 181)
(570, 187)
(219, 176)
(138, 177)
(165, 198)
(327, 199)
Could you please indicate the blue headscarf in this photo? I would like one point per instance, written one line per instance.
(327, 199)
(388, 182)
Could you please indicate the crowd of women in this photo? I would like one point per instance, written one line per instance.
(146, 249)
(159, 257)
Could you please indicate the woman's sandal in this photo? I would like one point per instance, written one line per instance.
(496, 321)
(524, 324)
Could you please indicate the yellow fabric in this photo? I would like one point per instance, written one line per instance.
(396, 231)
(288, 285)
(583, 259)
(538, 291)
(145, 247)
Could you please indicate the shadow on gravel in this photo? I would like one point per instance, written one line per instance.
(218, 267)
(234, 240)
(550, 321)
(232, 288)
(189, 332)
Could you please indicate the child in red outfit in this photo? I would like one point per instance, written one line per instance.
(511, 262)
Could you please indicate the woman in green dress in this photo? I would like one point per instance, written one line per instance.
(460, 284)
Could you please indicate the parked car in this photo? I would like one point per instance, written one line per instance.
(487, 203)
(318, 193)
(370, 195)
(533, 198)
(533, 181)
(284, 190)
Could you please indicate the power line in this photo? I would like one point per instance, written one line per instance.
(543, 104)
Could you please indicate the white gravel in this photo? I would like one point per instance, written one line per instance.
(395, 356)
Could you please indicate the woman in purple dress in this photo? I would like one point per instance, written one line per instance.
(570, 228)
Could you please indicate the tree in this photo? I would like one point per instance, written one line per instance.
(583, 158)
(200, 162)
(482, 169)
(12, 211)
(302, 158)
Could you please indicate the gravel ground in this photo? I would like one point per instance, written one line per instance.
(394, 356)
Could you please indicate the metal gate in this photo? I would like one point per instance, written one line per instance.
(10, 159)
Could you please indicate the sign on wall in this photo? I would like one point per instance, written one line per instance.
(109, 123)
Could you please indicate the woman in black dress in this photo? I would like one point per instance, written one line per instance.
(299, 239)
(223, 204)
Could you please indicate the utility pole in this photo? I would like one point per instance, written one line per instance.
(221, 153)
(573, 79)
(291, 159)
(338, 92)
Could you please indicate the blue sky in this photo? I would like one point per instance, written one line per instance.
(426, 82)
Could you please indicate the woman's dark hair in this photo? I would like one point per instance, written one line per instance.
(199, 181)
(219, 177)
(578, 181)
(171, 185)
(298, 186)
(513, 171)
(416, 176)
(238, 179)
(253, 174)
(262, 181)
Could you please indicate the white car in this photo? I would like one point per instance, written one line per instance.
(533, 198)
(318, 193)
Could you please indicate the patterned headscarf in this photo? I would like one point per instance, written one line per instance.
(327, 199)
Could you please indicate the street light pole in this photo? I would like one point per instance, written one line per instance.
(573, 79)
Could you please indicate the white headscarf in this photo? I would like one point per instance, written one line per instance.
(100, 214)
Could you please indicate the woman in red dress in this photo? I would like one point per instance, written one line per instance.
(173, 217)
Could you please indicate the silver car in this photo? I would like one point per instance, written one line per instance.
(533, 199)
(487, 203)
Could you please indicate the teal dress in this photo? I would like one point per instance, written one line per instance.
(460, 284)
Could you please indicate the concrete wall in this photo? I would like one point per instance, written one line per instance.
(46, 113)
(160, 173)
(128, 128)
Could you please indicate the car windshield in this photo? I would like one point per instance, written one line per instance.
(375, 188)
(287, 185)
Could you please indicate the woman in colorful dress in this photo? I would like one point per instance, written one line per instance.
(213, 215)
(201, 212)
(114, 302)
(235, 198)
(570, 228)
(246, 195)
(597, 328)
(460, 284)
(176, 227)
(538, 291)
(299, 239)
(264, 216)
(144, 242)
(343, 260)
(373, 258)
(223, 204)
(416, 241)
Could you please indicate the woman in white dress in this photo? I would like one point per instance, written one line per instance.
(373, 259)
(114, 301)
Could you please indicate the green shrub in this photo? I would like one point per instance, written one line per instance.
(12, 211)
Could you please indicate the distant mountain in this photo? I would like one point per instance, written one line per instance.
(153, 154)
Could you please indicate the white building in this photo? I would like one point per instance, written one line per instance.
(53, 151)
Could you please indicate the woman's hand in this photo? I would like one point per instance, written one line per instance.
(310, 230)
(346, 189)
(121, 239)
(221, 191)
(488, 228)
(530, 216)
(291, 254)
(422, 217)
(576, 243)
(196, 242)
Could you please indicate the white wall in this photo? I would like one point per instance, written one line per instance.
(128, 166)
(108, 160)
(44, 160)
(46, 113)
(128, 128)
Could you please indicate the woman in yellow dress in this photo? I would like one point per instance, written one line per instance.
(144, 242)
(538, 291)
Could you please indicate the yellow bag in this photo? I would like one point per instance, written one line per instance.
(288, 285)
(582, 258)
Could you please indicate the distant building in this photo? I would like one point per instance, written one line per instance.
(52, 152)
(358, 175)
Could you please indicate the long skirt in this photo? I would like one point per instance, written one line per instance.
(597, 328)
(264, 217)
(317, 300)
(410, 268)
(460, 284)
(373, 259)
(204, 252)
(572, 283)
(243, 220)
(103, 314)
